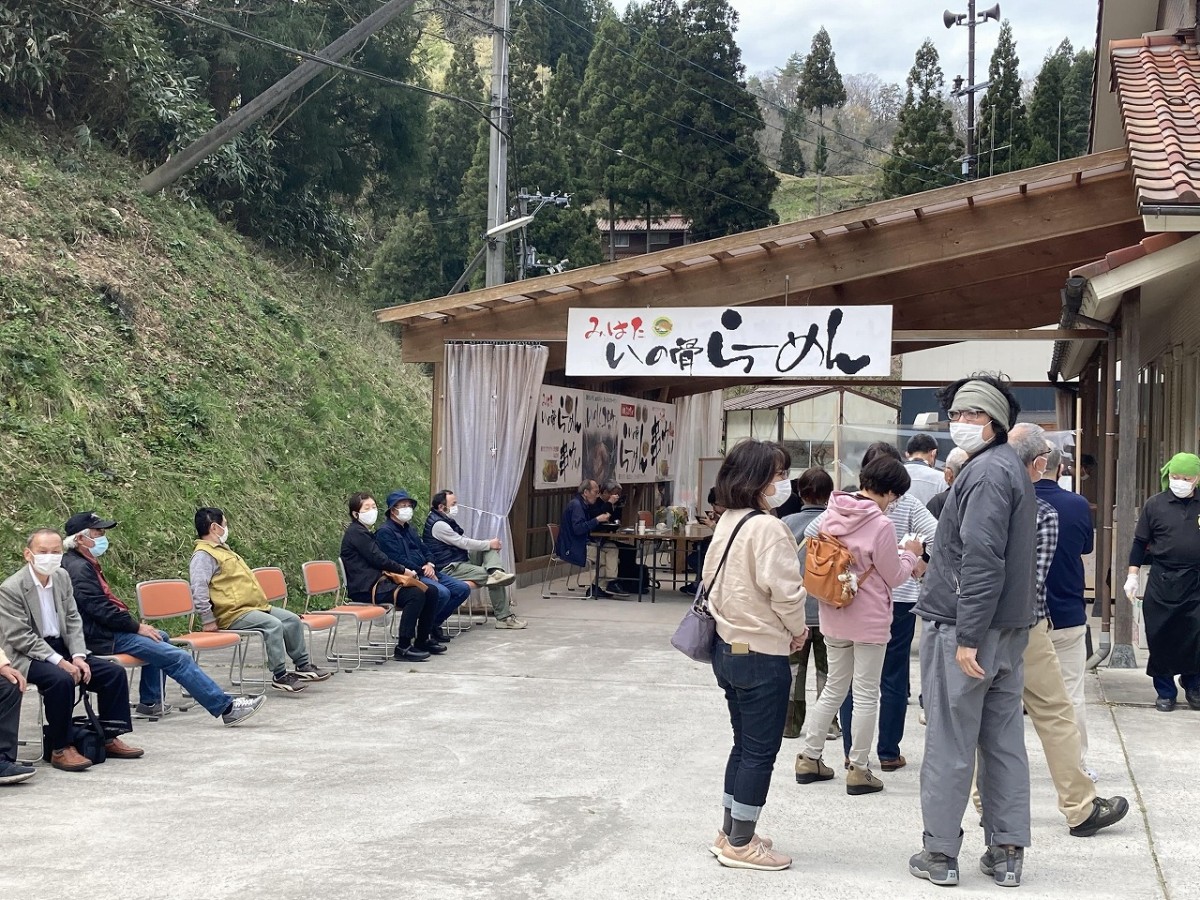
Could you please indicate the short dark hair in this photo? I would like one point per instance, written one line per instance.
(747, 470)
(815, 486)
(885, 475)
(880, 448)
(206, 518)
(946, 398)
(440, 498)
(354, 504)
(921, 443)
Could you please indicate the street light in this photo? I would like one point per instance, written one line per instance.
(970, 20)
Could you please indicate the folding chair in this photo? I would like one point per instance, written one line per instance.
(321, 578)
(554, 560)
(463, 623)
(129, 663)
(171, 598)
(274, 585)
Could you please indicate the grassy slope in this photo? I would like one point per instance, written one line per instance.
(796, 198)
(152, 361)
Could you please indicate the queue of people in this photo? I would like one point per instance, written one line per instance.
(991, 577)
(60, 621)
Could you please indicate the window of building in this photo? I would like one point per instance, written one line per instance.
(620, 240)
(660, 238)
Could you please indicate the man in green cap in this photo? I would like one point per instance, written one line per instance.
(1167, 539)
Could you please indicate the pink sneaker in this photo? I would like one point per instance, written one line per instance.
(721, 841)
(755, 855)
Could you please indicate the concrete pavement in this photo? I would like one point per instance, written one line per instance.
(578, 759)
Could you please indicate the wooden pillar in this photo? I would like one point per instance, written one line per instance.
(1100, 392)
(1128, 501)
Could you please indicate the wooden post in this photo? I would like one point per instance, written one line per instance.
(187, 159)
(1128, 499)
(1103, 420)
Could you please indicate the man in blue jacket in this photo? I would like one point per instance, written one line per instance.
(572, 544)
(401, 541)
(1064, 588)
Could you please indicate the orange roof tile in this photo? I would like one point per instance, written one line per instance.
(1157, 80)
(1118, 258)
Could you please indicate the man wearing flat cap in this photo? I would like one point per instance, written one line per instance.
(110, 628)
(978, 601)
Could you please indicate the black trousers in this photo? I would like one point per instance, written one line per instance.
(10, 718)
(58, 691)
(416, 609)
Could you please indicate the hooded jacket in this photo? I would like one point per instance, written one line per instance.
(869, 535)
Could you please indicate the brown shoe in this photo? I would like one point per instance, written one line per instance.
(118, 749)
(891, 765)
(70, 760)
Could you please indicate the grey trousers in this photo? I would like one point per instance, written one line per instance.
(284, 633)
(968, 716)
(477, 569)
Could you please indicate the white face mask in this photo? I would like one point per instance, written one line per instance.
(783, 490)
(47, 563)
(225, 537)
(1181, 488)
(404, 514)
(452, 512)
(969, 437)
(368, 516)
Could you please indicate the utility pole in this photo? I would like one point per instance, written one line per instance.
(498, 144)
(192, 155)
(969, 19)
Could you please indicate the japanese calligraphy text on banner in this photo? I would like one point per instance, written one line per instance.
(826, 342)
(603, 437)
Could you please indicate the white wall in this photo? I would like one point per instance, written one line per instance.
(1021, 361)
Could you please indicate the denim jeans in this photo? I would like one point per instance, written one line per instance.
(756, 687)
(163, 657)
(448, 594)
(894, 686)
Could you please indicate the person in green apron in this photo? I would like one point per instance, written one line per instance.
(1168, 540)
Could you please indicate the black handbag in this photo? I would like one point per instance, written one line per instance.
(86, 733)
(697, 633)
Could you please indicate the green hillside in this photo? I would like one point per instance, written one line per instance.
(796, 198)
(151, 361)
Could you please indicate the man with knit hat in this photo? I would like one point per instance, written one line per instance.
(1167, 539)
(978, 600)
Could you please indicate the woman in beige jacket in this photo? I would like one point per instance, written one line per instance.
(757, 600)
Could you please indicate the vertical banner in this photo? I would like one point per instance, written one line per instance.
(604, 437)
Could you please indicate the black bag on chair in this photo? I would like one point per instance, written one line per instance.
(86, 734)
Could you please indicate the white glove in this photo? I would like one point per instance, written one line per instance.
(1131, 588)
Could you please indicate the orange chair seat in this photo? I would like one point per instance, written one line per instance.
(124, 659)
(209, 640)
(364, 611)
(319, 621)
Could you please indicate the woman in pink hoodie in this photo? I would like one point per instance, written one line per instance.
(856, 635)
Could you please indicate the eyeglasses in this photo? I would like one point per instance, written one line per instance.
(968, 415)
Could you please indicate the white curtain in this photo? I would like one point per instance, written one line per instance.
(698, 420)
(491, 394)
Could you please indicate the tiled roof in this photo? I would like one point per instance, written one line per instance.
(1125, 255)
(1157, 80)
(667, 223)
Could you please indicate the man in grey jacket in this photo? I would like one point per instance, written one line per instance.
(978, 598)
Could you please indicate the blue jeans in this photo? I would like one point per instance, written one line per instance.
(450, 594)
(756, 687)
(163, 657)
(1165, 687)
(894, 686)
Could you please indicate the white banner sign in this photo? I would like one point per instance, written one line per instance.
(826, 342)
(581, 434)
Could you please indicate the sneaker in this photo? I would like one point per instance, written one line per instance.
(409, 654)
(597, 593)
(755, 855)
(1165, 704)
(241, 709)
(511, 622)
(1104, 813)
(722, 841)
(937, 868)
(152, 710)
(617, 589)
(1003, 864)
(15, 773)
(309, 672)
(500, 578)
(1091, 773)
(429, 645)
(810, 770)
(862, 781)
(288, 682)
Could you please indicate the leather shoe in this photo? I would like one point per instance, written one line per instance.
(118, 749)
(409, 654)
(431, 646)
(1164, 704)
(440, 635)
(70, 760)
(1193, 698)
(891, 765)
(598, 593)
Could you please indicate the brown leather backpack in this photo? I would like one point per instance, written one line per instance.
(827, 567)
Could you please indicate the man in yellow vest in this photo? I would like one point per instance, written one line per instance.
(227, 596)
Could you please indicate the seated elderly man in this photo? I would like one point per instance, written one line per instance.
(227, 596)
(43, 636)
(109, 628)
(468, 559)
(12, 686)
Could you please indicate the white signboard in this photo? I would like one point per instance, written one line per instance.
(581, 434)
(827, 342)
